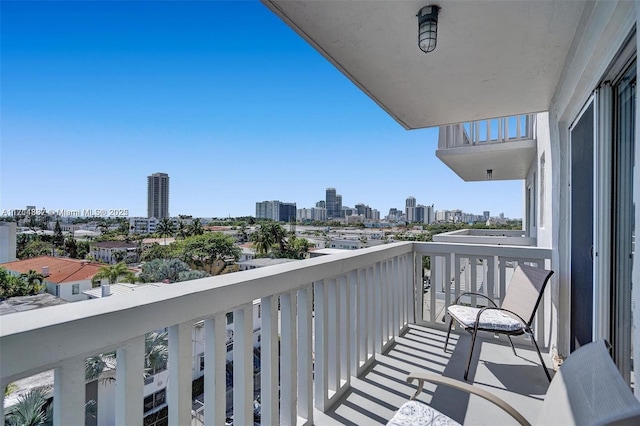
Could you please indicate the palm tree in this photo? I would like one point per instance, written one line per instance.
(196, 227)
(165, 227)
(156, 352)
(183, 230)
(112, 273)
(32, 409)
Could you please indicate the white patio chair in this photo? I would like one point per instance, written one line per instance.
(587, 390)
(521, 301)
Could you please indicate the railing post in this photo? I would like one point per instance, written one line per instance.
(243, 365)
(378, 317)
(180, 372)
(362, 317)
(371, 315)
(69, 393)
(305, 360)
(320, 380)
(333, 345)
(345, 331)
(288, 361)
(352, 321)
(130, 386)
(215, 373)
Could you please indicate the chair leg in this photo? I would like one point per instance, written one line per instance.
(544, 367)
(473, 342)
(512, 347)
(446, 342)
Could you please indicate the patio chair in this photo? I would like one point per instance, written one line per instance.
(513, 318)
(587, 390)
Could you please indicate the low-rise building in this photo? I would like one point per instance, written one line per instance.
(114, 251)
(63, 277)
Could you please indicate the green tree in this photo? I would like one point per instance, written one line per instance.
(183, 230)
(33, 408)
(161, 270)
(58, 238)
(24, 285)
(155, 251)
(71, 247)
(204, 250)
(196, 227)
(113, 273)
(165, 228)
(83, 249)
(36, 248)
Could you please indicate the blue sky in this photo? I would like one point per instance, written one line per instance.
(222, 96)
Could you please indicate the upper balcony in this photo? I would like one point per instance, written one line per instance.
(499, 237)
(497, 149)
(334, 330)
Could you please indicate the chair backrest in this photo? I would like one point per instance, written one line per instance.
(525, 291)
(589, 390)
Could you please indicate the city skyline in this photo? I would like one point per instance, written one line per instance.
(103, 94)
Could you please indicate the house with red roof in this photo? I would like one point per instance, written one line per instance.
(65, 278)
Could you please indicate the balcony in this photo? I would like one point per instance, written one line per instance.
(349, 327)
(499, 237)
(497, 149)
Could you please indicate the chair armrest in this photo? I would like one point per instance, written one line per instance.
(455, 302)
(457, 384)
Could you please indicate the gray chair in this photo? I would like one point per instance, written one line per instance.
(587, 390)
(513, 318)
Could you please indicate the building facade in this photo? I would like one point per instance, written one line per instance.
(158, 195)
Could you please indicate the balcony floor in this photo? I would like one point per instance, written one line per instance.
(382, 389)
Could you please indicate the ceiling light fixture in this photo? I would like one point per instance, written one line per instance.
(428, 27)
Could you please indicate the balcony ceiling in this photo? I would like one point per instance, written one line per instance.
(507, 161)
(493, 58)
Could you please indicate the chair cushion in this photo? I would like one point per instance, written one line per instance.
(419, 414)
(490, 320)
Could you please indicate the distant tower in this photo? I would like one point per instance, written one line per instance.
(331, 203)
(410, 209)
(158, 195)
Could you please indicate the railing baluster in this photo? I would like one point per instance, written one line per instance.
(243, 365)
(129, 391)
(332, 340)
(370, 312)
(320, 381)
(215, 363)
(180, 371)
(288, 361)
(345, 330)
(385, 302)
(69, 393)
(305, 362)
(362, 317)
(352, 303)
(378, 317)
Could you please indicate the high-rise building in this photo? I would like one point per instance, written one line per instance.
(158, 195)
(276, 210)
(331, 203)
(410, 210)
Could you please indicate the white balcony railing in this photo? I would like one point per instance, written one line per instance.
(497, 130)
(323, 321)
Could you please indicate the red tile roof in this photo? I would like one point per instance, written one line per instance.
(61, 270)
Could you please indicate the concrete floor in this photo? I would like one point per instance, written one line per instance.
(379, 392)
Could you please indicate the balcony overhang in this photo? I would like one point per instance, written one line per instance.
(506, 160)
(493, 58)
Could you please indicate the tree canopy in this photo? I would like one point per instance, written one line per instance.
(113, 273)
(27, 284)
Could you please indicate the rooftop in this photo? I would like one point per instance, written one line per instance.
(61, 270)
